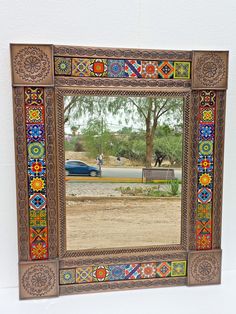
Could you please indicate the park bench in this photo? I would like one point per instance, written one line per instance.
(152, 174)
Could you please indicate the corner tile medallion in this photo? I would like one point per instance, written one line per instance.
(88, 274)
(37, 179)
(32, 65)
(206, 136)
(204, 267)
(38, 279)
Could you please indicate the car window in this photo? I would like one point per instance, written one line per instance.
(81, 163)
(72, 163)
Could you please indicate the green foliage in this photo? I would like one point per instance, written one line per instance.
(146, 191)
(170, 146)
(174, 187)
(73, 143)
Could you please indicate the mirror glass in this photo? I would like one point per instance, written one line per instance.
(123, 171)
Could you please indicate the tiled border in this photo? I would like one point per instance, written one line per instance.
(133, 271)
(121, 68)
(34, 100)
(206, 133)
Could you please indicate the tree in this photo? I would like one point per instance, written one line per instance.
(149, 110)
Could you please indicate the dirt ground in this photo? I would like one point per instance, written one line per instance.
(122, 222)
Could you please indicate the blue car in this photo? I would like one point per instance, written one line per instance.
(79, 168)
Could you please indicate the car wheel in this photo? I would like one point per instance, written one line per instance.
(93, 173)
(67, 173)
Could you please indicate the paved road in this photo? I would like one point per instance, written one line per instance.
(129, 173)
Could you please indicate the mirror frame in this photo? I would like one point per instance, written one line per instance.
(41, 76)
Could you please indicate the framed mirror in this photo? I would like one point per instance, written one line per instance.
(119, 162)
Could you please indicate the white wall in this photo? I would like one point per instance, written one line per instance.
(160, 24)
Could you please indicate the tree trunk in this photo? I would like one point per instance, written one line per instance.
(149, 150)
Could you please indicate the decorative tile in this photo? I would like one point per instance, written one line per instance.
(204, 195)
(163, 269)
(203, 242)
(34, 96)
(207, 115)
(84, 274)
(204, 211)
(39, 250)
(67, 276)
(98, 67)
(115, 68)
(36, 167)
(37, 218)
(37, 201)
(207, 131)
(205, 148)
(62, 66)
(203, 227)
(116, 272)
(36, 150)
(182, 70)
(80, 67)
(165, 69)
(38, 234)
(37, 184)
(178, 269)
(100, 273)
(34, 114)
(150, 69)
(35, 132)
(148, 270)
(132, 271)
(205, 163)
(205, 179)
(133, 68)
(208, 98)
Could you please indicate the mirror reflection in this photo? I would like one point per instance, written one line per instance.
(123, 171)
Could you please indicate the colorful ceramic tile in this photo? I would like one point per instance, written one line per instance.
(98, 67)
(36, 150)
(38, 234)
(80, 67)
(35, 132)
(132, 271)
(163, 269)
(207, 131)
(204, 195)
(182, 70)
(205, 163)
(133, 68)
(62, 66)
(165, 69)
(207, 115)
(34, 96)
(100, 273)
(205, 179)
(39, 251)
(208, 98)
(115, 68)
(67, 276)
(84, 274)
(148, 270)
(37, 184)
(203, 227)
(116, 272)
(178, 268)
(205, 148)
(204, 211)
(36, 167)
(150, 69)
(37, 218)
(37, 201)
(203, 242)
(34, 114)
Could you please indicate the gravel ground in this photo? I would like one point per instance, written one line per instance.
(103, 189)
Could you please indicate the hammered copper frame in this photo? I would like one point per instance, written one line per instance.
(41, 76)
